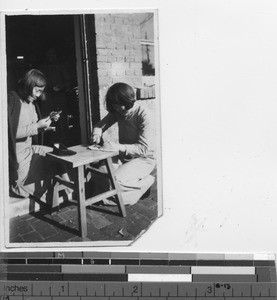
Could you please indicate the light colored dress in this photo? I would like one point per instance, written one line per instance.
(27, 127)
(133, 167)
(34, 170)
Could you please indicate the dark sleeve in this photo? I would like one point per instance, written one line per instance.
(104, 124)
(14, 107)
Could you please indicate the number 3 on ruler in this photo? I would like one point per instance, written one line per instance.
(209, 289)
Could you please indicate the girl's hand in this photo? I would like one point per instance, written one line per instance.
(96, 139)
(54, 115)
(114, 146)
(44, 123)
(55, 118)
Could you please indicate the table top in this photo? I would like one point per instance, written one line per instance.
(83, 156)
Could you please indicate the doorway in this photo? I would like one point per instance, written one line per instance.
(28, 40)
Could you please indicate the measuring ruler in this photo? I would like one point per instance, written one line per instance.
(113, 275)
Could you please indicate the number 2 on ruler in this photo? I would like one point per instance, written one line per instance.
(135, 289)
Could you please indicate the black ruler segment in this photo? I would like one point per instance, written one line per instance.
(67, 261)
(223, 263)
(97, 261)
(182, 262)
(14, 261)
(96, 277)
(38, 261)
(125, 261)
(264, 263)
(34, 276)
(157, 262)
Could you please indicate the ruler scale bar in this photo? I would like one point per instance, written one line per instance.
(138, 289)
(139, 298)
(104, 275)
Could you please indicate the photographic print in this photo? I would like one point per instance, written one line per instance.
(83, 122)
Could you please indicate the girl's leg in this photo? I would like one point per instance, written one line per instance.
(17, 188)
(134, 178)
(41, 173)
(132, 172)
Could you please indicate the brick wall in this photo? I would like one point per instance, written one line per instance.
(118, 51)
(119, 56)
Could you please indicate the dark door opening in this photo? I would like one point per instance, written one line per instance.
(31, 40)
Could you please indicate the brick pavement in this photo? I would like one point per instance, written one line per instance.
(104, 223)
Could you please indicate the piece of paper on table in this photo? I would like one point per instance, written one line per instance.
(100, 148)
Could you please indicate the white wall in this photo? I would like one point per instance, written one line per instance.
(219, 122)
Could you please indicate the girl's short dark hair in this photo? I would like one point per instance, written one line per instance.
(31, 79)
(120, 94)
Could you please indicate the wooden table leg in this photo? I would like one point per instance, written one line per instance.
(81, 199)
(115, 186)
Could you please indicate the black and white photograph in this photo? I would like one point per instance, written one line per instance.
(83, 127)
(149, 125)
